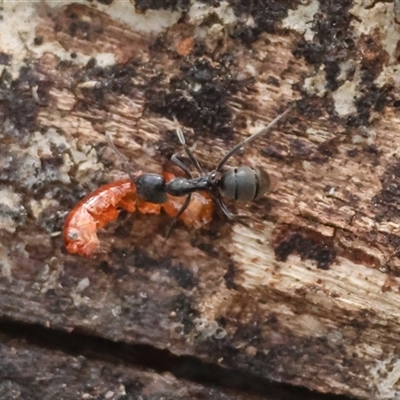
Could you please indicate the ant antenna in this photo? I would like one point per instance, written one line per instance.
(119, 154)
(252, 137)
(182, 141)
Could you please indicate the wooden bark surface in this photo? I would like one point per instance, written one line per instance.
(306, 290)
(79, 371)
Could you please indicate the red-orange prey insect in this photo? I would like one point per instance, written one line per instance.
(199, 211)
(188, 198)
(102, 206)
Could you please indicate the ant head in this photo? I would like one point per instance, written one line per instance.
(151, 188)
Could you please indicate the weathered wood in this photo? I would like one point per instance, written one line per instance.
(29, 371)
(306, 290)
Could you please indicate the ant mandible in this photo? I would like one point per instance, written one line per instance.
(242, 183)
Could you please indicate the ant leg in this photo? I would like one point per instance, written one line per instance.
(191, 156)
(181, 165)
(223, 207)
(119, 154)
(231, 216)
(181, 211)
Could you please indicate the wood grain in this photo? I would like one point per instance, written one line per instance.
(305, 289)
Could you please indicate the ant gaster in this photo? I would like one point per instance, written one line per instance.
(241, 183)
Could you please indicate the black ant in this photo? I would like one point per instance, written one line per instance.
(240, 183)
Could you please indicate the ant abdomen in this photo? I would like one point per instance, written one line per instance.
(244, 183)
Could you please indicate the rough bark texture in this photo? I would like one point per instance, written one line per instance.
(306, 289)
(32, 372)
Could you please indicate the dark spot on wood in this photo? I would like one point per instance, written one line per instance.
(91, 64)
(55, 303)
(113, 79)
(251, 333)
(273, 81)
(229, 277)
(18, 216)
(5, 59)
(397, 51)
(123, 228)
(292, 149)
(328, 148)
(307, 244)
(38, 40)
(173, 5)
(74, 22)
(267, 16)
(80, 28)
(57, 27)
(143, 260)
(184, 310)
(133, 386)
(221, 321)
(106, 2)
(68, 197)
(300, 149)
(298, 350)
(373, 149)
(272, 319)
(391, 284)
(374, 55)
(183, 276)
(105, 267)
(373, 98)
(50, 163)
(198, 96)
(21, 99)
(393, 240)
(208, 248)
(333, 41)
(352, 198)
(311, 107)
(167, 146)
(352, 153)
(277, 151)
(49, 219)
(362, 319)
(159, 44)
(387, 201)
